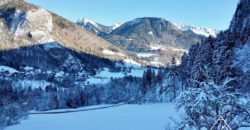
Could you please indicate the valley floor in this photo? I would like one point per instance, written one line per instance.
(121, 117)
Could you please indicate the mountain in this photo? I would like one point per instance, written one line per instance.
(47, 62)
(47, 44)
(153, 41)
(96, 28)
(24, 24)
(146, 31)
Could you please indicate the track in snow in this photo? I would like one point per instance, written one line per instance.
(72, 110)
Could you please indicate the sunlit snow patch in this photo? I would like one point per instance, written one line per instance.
(104, 76)
(145, 55)
(151, 33)
(108, 52)
(7, 69)
(156, 47)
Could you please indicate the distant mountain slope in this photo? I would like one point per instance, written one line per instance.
(153, 41)
(159, 39)
(198, 30)
(145, 31)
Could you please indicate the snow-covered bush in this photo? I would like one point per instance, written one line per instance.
(204, 105)
(12, 107)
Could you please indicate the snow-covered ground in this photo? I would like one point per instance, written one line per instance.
(156, 63)
(104, 76)
(179, 50)
(156, 47)
(145, 55)
(108, 52)
(7, 69)
(87, 108)
(125, 117)
(129, 62)
(115, 26)
(243, 128)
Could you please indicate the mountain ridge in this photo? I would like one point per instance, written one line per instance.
(25, 24)
(154, 36)
(96, 28)
(184, 27)
(154, 41)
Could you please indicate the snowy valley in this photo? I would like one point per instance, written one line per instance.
(144, 74)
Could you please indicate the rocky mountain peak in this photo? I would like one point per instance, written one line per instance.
(96, 28)
(148, 25)
(116, 25)
(86, 21)
(89, 25)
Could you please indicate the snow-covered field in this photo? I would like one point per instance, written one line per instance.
(124, 117)
(7, 69)
(104, 76)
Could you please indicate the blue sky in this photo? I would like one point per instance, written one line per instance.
(215, 14)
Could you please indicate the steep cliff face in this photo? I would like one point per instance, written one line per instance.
(241, 20)
(226, 56)
(240, 29)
